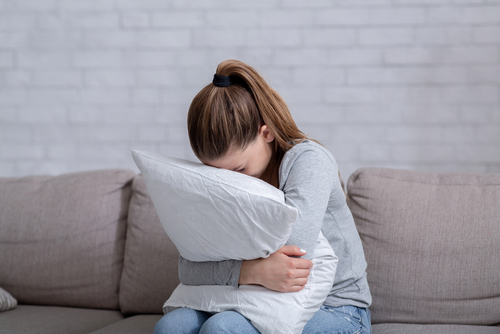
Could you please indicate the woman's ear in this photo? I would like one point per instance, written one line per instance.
(266, 132)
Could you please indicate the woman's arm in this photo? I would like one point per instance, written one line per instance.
(279, 272)
(310, 182)
(209, 273)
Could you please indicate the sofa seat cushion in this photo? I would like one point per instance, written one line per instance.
(26, 319)
(138, 324)
(433, 329)
(432, 244)
(62, 237)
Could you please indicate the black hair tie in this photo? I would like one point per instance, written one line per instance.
(221, 80)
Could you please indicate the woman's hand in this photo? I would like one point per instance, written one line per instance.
(279, 272)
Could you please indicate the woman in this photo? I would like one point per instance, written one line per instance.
(240, 123)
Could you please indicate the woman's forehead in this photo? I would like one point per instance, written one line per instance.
(234, 158)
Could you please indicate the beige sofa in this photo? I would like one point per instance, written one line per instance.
(85, 252)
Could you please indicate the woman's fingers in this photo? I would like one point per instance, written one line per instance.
(302, 263)
(294, 285)
(303, 273)
(292, 251)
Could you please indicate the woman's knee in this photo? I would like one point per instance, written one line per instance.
(181, 321)
(343, 319)
(228, 322)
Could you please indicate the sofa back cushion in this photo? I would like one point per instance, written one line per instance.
(62, 238)
(432, 243)
(150, 265)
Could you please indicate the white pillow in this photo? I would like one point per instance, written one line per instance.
(269, 311)
(213, 214)
(7, 302)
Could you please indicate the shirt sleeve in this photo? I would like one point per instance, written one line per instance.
(210, 272)
(310, 176)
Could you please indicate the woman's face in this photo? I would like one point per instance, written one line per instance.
(253, 160)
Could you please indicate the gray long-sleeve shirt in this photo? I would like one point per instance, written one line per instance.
(308, 176)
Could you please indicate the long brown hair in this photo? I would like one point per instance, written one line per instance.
(225, 118)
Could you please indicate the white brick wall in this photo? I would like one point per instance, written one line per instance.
(395, 83)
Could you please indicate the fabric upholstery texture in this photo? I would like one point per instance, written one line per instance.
(150, 264)
(7, 302)
(62, 238)
(433, 329)
(432, 243)
(55, 320)
(139, 324)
